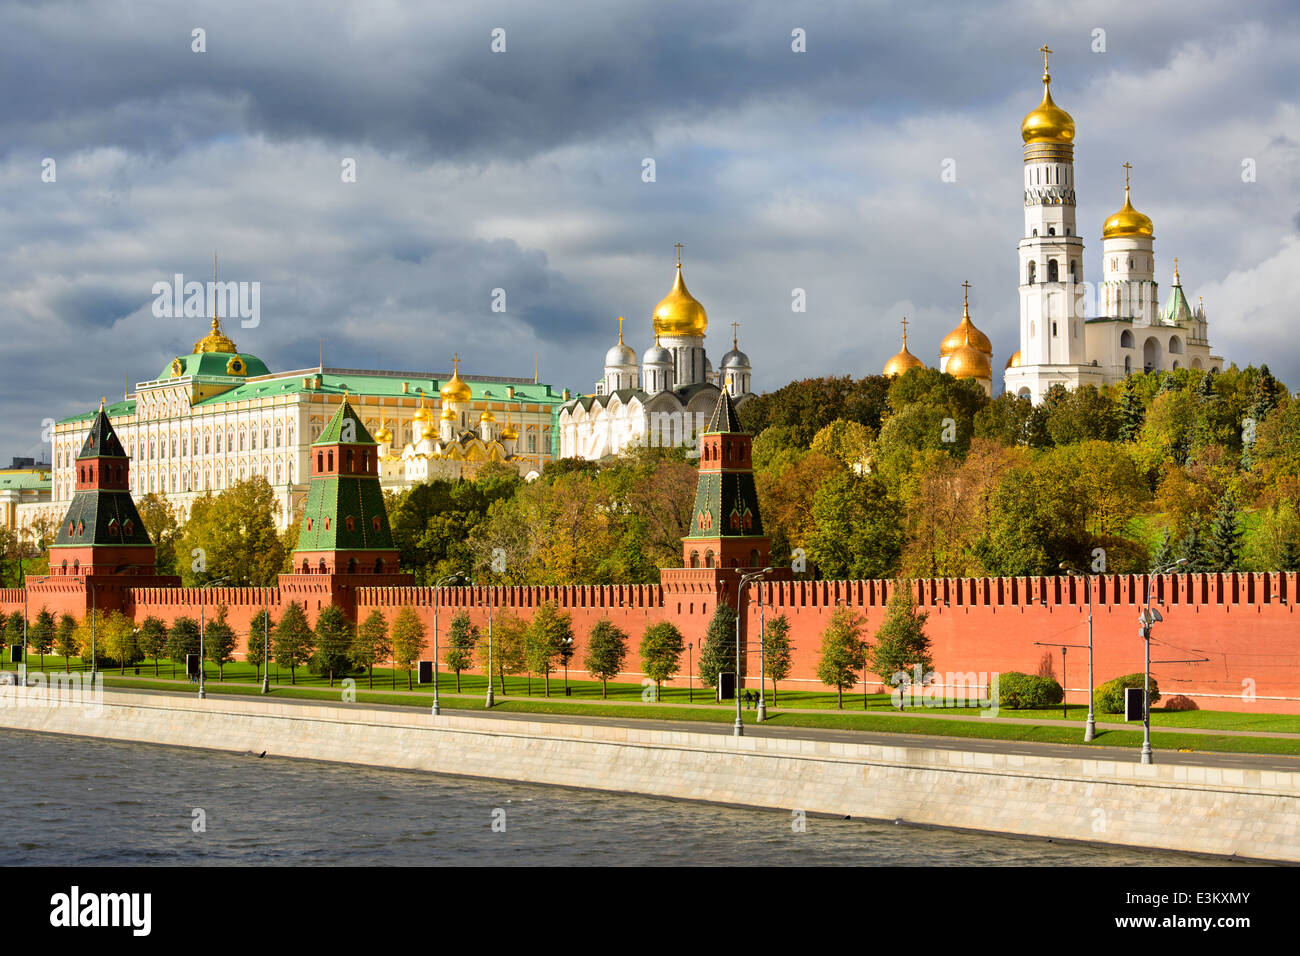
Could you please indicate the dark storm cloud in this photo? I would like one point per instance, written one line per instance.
(521, 171)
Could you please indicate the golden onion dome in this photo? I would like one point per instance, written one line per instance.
(382, 434)
(448, 414)
(428, 431)
(422, 414)
(969, 362)
(487, 416)
(215, 340)
(1014, 361)
(456, 390)
(509, 433)
(679, 312)
(1128, 222)
(1047, 122)
(965, 334)
(904, 360)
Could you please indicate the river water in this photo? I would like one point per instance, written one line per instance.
(75, 801)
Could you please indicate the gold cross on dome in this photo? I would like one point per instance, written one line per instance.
(1045, 51)
(1127, 167)
(904, 324)
(735, 335)
(620, 330)
(678, 247)
(455, 364)
(965, 293)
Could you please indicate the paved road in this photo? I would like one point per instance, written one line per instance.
(972, 744)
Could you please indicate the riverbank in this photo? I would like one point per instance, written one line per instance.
(1224, 811)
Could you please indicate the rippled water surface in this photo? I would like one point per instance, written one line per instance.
(75, 801)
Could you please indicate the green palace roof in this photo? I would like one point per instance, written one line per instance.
(225, 365)
(25, 480)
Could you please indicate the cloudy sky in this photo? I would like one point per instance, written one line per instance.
(522, 170)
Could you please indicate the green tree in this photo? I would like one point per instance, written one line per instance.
(842, 652)
(66, 642)
(1083, 414)
(859, 531)
(901, 643)
(164, 528)
(777, 651)
(41, 637)
(333, 642)
(233, 536)
(509, 647)
(118, 640)
(1195, 550)
(293, 640)
(662, 645)
(606, 651)
(1131, 412)
(1223, 544)
(371, 644)
(1164, 555)
(718, 649)
(15, 629)
(153, 639)
(548, 632)
(182, 640)
(219, 641)
(408, 641)
(260, 629)
(462, 637)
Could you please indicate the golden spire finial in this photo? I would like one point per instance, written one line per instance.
(735, 335)
(1045, 50)
(1127, 167)
(103, 400)
(904, 324)
(1176, 280)
(965, 299)
(678, 247)
(455, 364)
(620, 330)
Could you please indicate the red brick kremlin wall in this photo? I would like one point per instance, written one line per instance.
(1243, 623)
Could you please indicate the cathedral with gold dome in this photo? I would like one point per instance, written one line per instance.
(1073, 332)
(666, 398)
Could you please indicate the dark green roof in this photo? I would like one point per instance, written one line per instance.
(724, 420)
(718, 496)
(333, 433)
(331, 502)
(215, 365)
(101, 517)
(101, 441)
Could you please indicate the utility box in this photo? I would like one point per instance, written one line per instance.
(726, 686)
(15, 654)
(1133, 700)
(192, 665)
(424, 671)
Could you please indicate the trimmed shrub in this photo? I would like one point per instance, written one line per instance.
(1018, 691)
(1180, 702)
(1109, 697)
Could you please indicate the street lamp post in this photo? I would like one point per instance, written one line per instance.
(1147, 619)
(762, 657)
(1090, 727)
(437, 706)
(1065, 707)
(738, 729)
(690, 677)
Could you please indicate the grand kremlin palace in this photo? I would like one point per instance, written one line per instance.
(217, 415)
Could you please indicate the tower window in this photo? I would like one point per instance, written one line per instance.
(1053, 329)
(1053, 271)
(1051, 230)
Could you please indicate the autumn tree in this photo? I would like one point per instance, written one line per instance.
(408, 641)
(548, 633)
(859, 530)
(182, 640)
(66, 642)
(509, 647)
(163, 525)
(233, 536)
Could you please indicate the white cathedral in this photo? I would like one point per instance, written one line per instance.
(665, 399)
(1059, 343)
